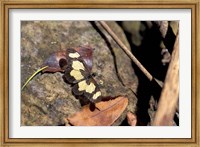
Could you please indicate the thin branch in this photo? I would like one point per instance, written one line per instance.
(126, 50)
(169, 96)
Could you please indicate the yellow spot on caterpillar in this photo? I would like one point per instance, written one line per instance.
(96, 95)
(90, 88)
(77, 65)
(84, 86)
(74, 55)
(76, 74)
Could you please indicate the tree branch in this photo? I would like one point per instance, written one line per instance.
(169, 96)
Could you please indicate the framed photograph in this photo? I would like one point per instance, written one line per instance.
(105, 72)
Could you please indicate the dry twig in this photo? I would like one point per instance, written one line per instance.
(126, 50)
(169, 96)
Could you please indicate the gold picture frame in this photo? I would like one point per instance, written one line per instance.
(194, 5)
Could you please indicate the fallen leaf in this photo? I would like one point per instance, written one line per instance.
(105, 114)
(132, 119)
(57, 61)
(53, 62)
